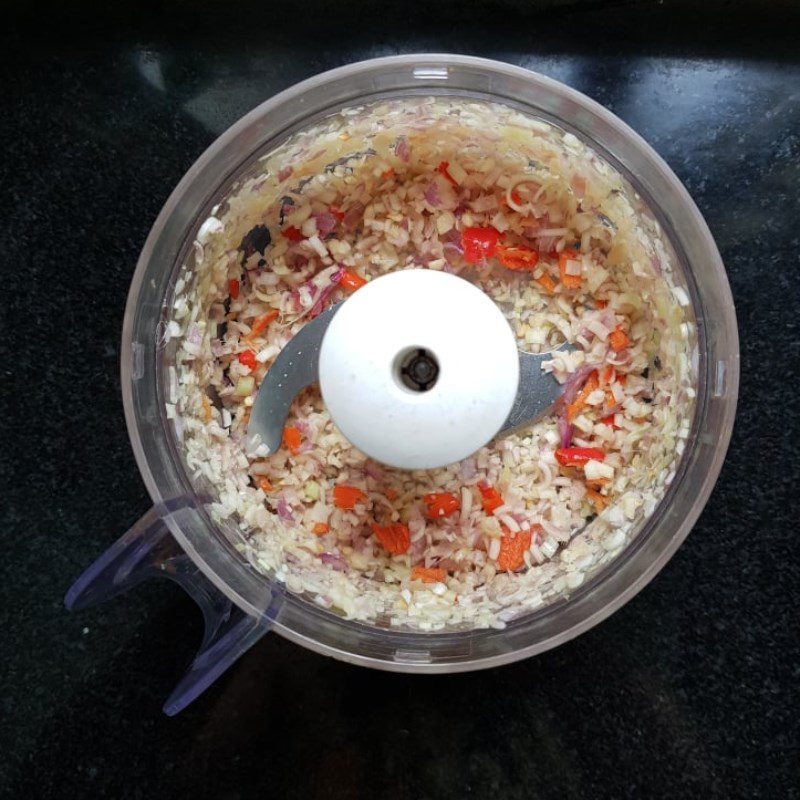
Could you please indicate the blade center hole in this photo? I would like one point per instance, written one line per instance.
(416, 369)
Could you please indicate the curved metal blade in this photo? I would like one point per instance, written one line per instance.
(537, 391)
(295, 367)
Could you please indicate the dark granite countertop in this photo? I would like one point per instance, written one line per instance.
(690, 690)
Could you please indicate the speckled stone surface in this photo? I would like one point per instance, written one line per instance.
(689, 691)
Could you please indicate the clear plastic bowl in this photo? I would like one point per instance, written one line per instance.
(182, 509)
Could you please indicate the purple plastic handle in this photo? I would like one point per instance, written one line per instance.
(148, 550)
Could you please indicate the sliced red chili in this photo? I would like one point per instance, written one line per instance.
(578, 456)
(610, 421)
(517, 256)
(345, 496)
(618, 339)
(352, 281)
(491, 499)
(570, 281)
(292, 439)
(428, 574)
(442, 169)
(292, 234)
(248, 358)
(395, 538)
(512, 550)
(441, 504)
(479, 243)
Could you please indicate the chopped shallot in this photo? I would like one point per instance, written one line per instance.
(567, 256)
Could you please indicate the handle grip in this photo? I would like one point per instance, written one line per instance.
(148, 550)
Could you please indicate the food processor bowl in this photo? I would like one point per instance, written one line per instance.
(178, 538)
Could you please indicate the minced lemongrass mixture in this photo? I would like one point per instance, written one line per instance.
(558, 239)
